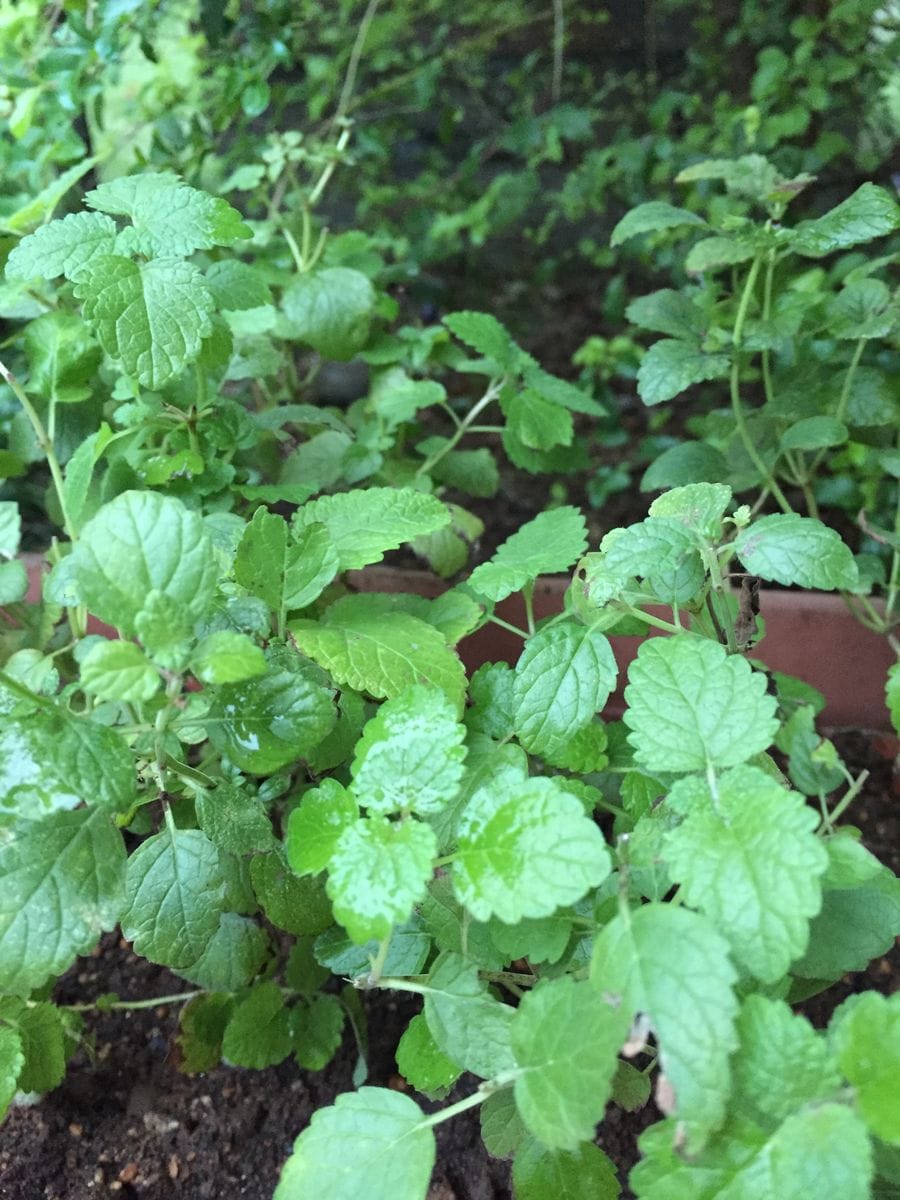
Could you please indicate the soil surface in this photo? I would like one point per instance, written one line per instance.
(127, 1123)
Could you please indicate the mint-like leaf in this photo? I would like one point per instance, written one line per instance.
(551, 542)
(372, 1143)
(667, 311)
(670, 367)
(119, 671)
(63, 247)
(296, 905)
(525, 848)
(258, 1034)
(855, 925)
(285, 572)
(868, 1048)
(316, 1029)
(691, 704)
(234, 820)
(869, 213)
(366, 522)
(537, 422)
(562, 679)
(651, 217)
(468, 1025)
(62, 357)
(567, 1045)
(316, 824)
(670, 964)
(62, 887)
(541, 1174)
(331, 310)
(421, 1061)
(749, 858)
(486, 336)
(410, 756)
(698, 506)
(797, 550)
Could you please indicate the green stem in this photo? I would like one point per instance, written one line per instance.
(355, 56)
(128, 1005)
(528, 597)
(848, 798)
(739, 420)
(189, 773)
(461, 1106)
(649, 619)
(767, 313)
(465, 424)
(522, 633)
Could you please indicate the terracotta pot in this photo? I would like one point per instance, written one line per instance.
(812, 635)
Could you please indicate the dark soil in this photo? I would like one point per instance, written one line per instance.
(127, 1123)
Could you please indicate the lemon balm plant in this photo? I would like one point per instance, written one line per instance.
(286, 793)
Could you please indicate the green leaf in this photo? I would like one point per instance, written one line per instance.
(41, 206)
(331, 310)
(378, 652)
(226, 657)
(174, 894)
(867, 1041)
(62, 247)
(258, 1033)
(151, 316)
(869, 213)
(651, 217)
(62, 887)
(139, 543)
(814, 433)
(13, 582)
(49, 760)
(234, 820)
(119, 671)
(667, 311)
(711, 253)
(201, 1025)
(80, 470)
(366, 522)
(562, 679)
(560, 391)
(410, 756)
(42, 1033)
(670, 367)
(233, 957)
(164, 630)
(168, 217)
(892, 694)
(691, 704)
(486, 336)
(782, 1063)
(749, 858)
(525, 848)
(492, 711)
(797, 550)
(471, 471)
(581, 1174)
(62, 357)
(408, 951)
(659, 548)
(688, 462)
(862, 309)
(698, 506)
(551, 542)
(567, 1045)
(316, 824)
(537, 422)
(421, 1062)
(373, 1143)
(468, 1025)
(502, 1130)
(11, 1062)
(855, 925)
(284, 572)
(396, 398)
(670, 965)
(10, 528)
(316, 1029)
(378, 871)
(298, 906)
(235, 286)
(274, 719)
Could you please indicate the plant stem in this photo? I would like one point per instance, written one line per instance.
(493, 391)
(767, 313)
(522, 633)
(559, 46)
(848, 798)
(355, 56)
(649, 619)
(154, 1002)
(739, 420)
(461, 1106)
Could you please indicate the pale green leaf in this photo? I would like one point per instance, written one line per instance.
(486, 336)
(331, 310)
(549, 543)
(151, 316)
(284, 572)
(797, 550)
(139, 543)
(62, 357)
(258, 1033)
(62, 887)
(62, 247)
(581, 1174)
(562, 679)
(690, 704)
(372, 1143)
(43, 1037)
(366, 522)
(80, 470)
(670, 965)
(525, 847)
(420, 1060)
(13, 582)
(119, 671)
(711, 253)
(566, 1042)
(316, 824)
(174, 894)
(410, 756)
(381, 653)
(868, 1047)
(698, 506)
(468, 1025)
(378, 871)
(662, 550)
(11, 1062)
(651, 217)
(670, 367)
(749, 858)
(236, 286)
(226, 657)
(502, 1130)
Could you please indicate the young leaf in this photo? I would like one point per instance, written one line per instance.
(698, 506)
(869, 213)
(80, 470)
(381, 653)
(62, 887)
(667, 311)
(316, 1029)
(316, 824)
(486, 336)
(421, 1062)
(284, 572)
(366, 522)
(258, 1033)
(167, 216)
(378, 871)
(63, 247)
(537, 422)
(226, 657)
(164, 630)
(797, 550)
(372, 1143)
(660, 548)
(174, 895)
(525, 848)
(711, 253)
(468, 1025)
(407, 954)
(232, 958)
(42, 1033)
(651, 217)
(669, 964)
(581, 1174)
(119, 671)
(566, 1043)
(691, 704)
(562, 679)
(331, 310)
(151, 316)
(139, 543)
(551, 542)
(62, 357)
(11, 1062)
(749, 858)
(670, 367)
(867, 1040)
(410, 756)
(492, 710)
(685, 463)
